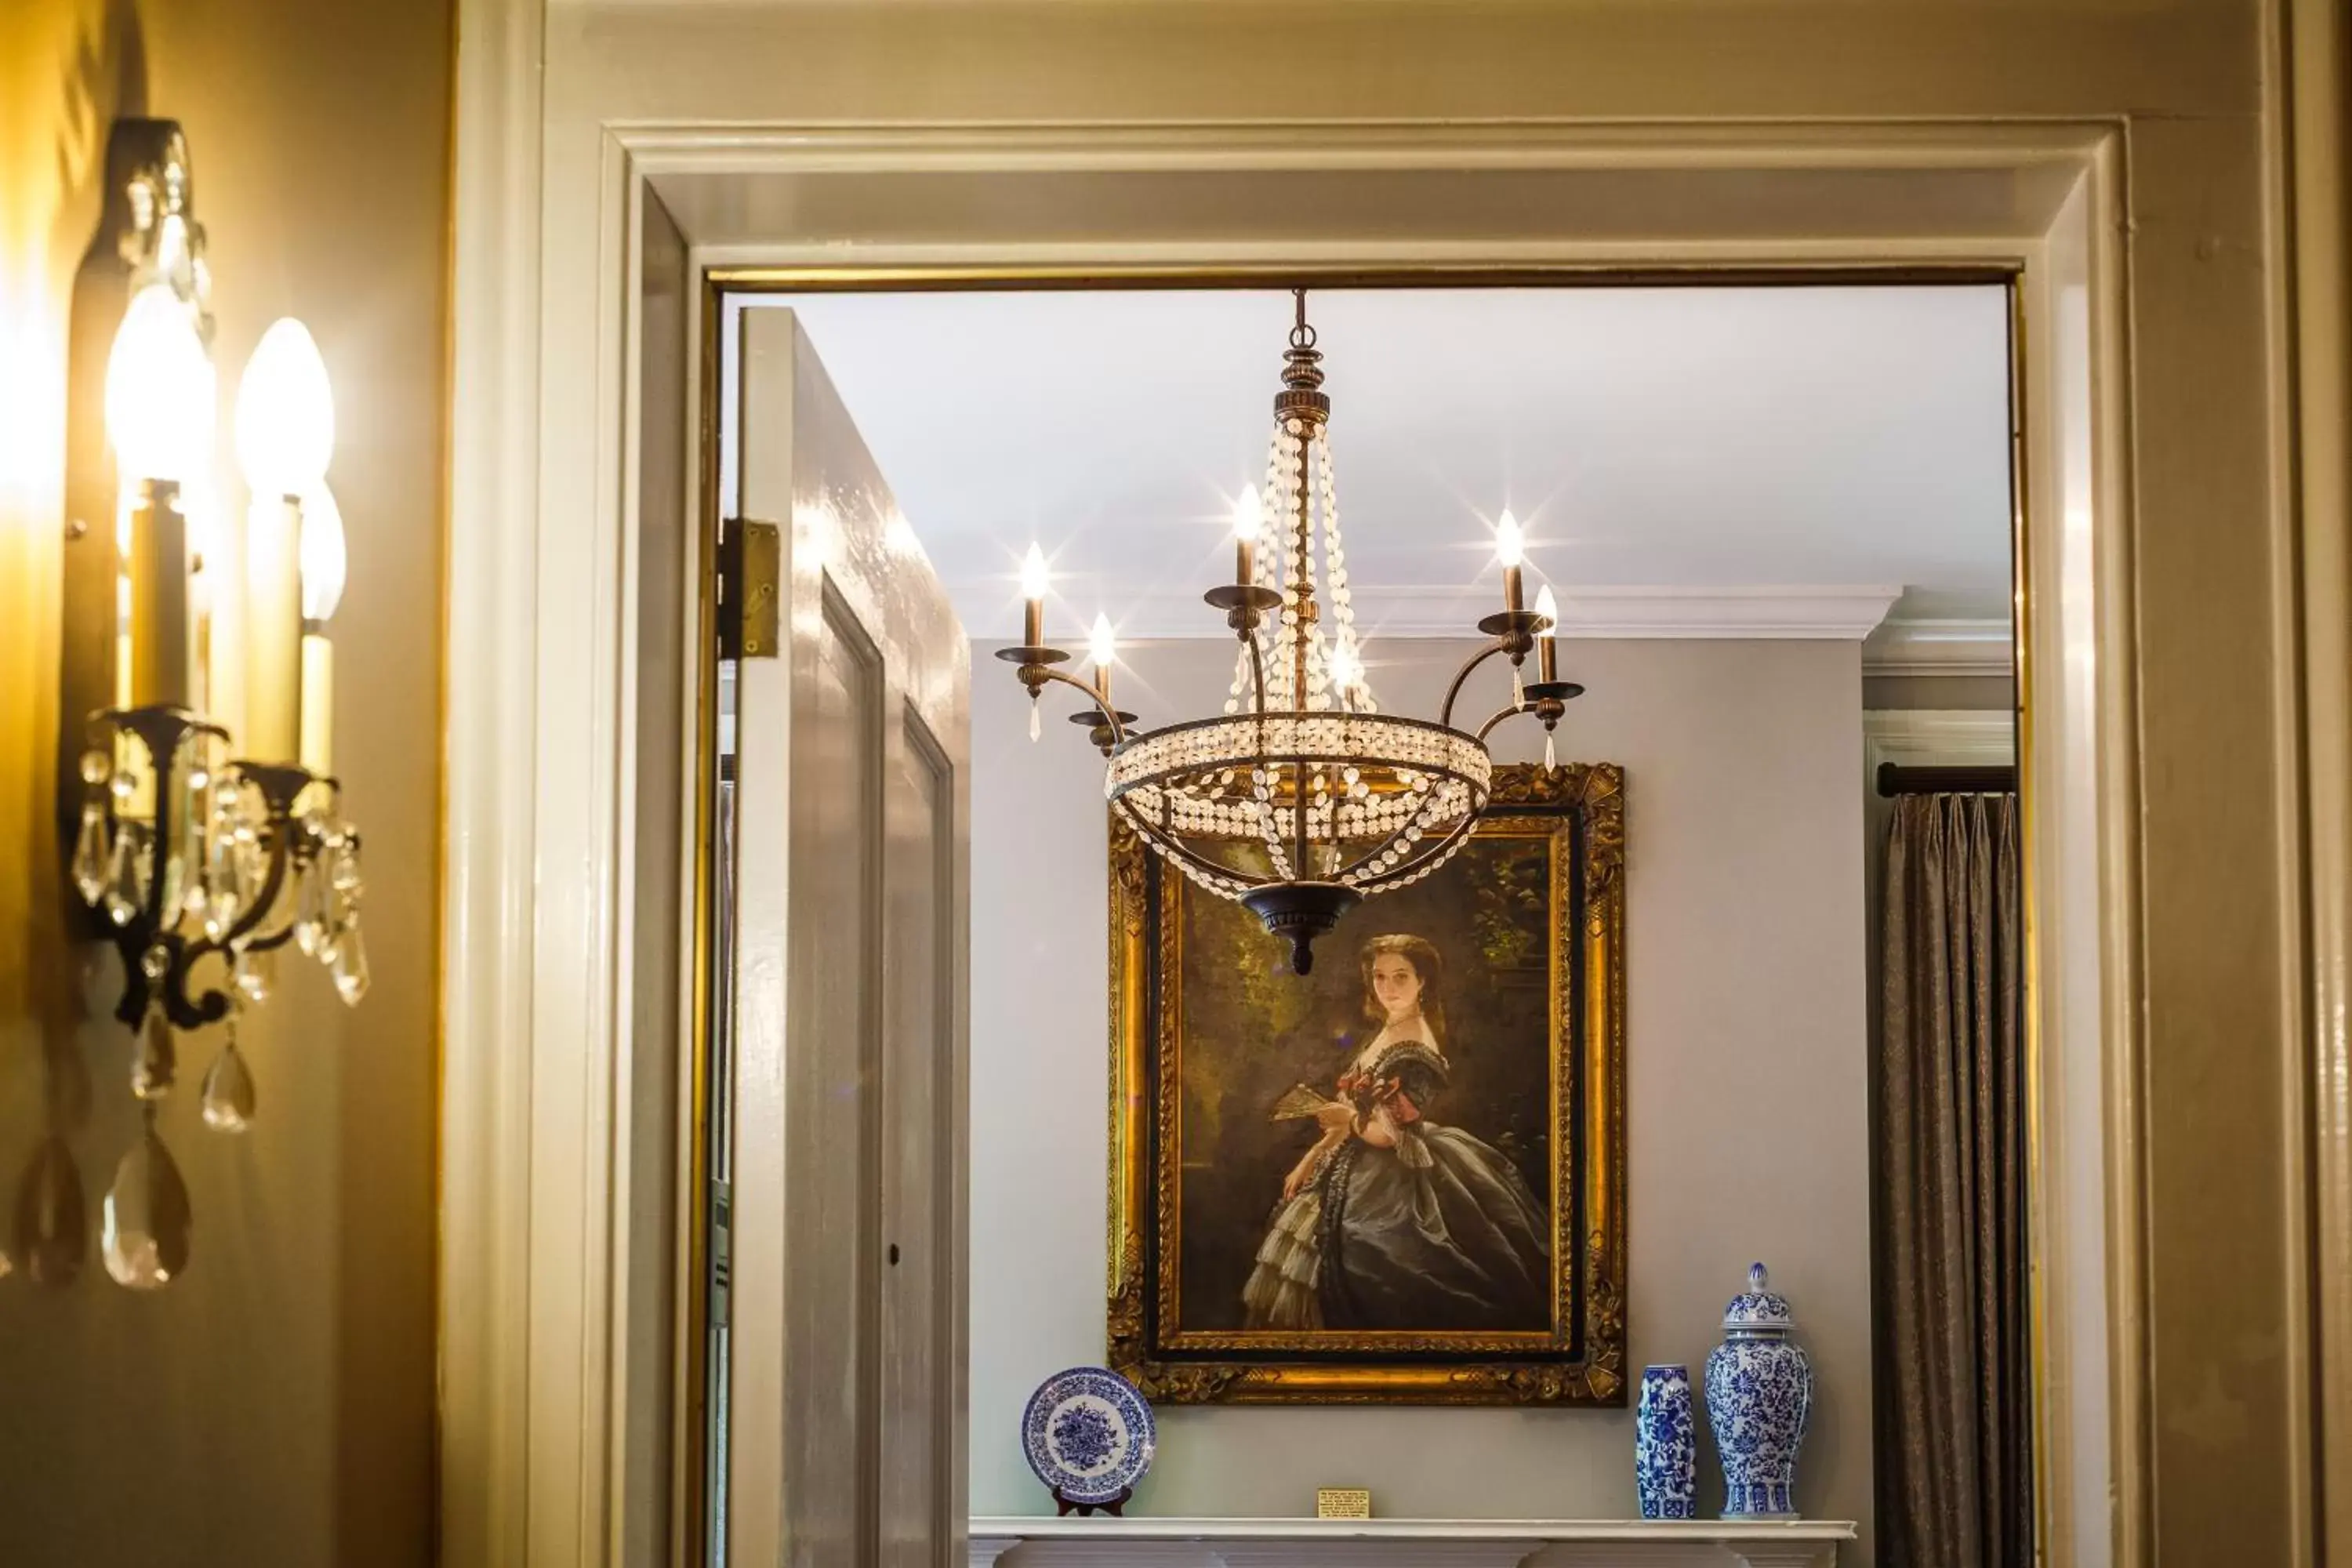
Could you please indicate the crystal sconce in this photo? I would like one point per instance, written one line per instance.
(204, 854)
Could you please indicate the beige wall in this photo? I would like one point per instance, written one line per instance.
(275, 1405)
(1745, 1079)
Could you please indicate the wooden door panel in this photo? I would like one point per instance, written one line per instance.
(844, 1440)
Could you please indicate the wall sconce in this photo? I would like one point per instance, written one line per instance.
(205, 855)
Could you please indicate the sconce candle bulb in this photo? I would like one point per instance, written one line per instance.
(285, 413)
(323, 563)
(159, 391)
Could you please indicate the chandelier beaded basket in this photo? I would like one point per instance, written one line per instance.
(1302, 799)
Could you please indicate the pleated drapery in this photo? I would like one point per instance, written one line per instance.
(1954, 1391)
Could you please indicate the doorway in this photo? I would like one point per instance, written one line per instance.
(874, 344)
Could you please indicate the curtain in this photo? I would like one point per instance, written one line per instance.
(1954, 1395)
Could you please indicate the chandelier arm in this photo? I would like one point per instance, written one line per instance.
(1445, 714)
(1512, 711)
(1110, 715)
(1257, 670)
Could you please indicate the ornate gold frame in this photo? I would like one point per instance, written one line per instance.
(1581, 1359)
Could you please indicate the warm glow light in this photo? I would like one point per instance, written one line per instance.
(1549, 608)
(1510, 543)
(1032, 573)
(1249, 517)
(285, 413)
(1345, 671)
(324, 561)
(159, 390)
(1102, 647)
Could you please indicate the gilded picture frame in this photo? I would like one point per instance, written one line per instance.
(1563, 826)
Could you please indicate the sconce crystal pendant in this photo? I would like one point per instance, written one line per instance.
(1302, 799)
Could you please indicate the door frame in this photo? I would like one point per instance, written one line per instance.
(545, 1432)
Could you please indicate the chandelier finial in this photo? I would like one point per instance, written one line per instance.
(1302, 397)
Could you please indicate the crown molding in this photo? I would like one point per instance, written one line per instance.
(1940, 647)
(1938, 737)
(1842, 612)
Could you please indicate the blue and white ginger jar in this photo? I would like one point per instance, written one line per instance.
(1759, 1389)
(1665, 1444)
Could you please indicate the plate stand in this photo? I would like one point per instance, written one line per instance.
(1062, 1505)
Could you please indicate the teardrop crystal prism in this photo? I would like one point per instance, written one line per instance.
(1035, 728)
(310, 912)
(52, 1228)
(228, 1098)
(158, 1066)
(254, 975)
(126, 889)
(349, 965)
(144, 1232)
(89, 855)
(1551, 758)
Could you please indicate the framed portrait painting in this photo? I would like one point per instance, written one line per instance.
(1398, 1179)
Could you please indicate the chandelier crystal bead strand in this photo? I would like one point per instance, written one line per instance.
(1301, 798)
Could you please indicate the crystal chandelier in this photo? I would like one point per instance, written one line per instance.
(1302, 799)
(201, 863)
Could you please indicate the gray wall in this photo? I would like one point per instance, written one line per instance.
(1746, 1078)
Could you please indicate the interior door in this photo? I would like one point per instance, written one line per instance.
(841, 1441)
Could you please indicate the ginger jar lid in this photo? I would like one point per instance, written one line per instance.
(1758, 1306)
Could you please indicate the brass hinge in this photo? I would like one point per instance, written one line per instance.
(750, 571)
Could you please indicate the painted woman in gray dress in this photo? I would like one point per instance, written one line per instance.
(1395, 1220)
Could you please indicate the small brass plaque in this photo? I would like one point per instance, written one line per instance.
(1343, 1502)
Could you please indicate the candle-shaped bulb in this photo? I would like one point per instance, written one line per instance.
(1547, 647)
(285, 413)
(1033, 590)
(1102, 645)
(159, 390)
(1249, 516)
(324, 561)
(1510, 540)
(1346, 671)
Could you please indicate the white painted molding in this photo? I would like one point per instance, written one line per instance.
(1404, 1543)
(490, 870)
(1938, 737)
(1839, 612)
(1940, 647)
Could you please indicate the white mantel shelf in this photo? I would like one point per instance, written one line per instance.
(1404, 1543)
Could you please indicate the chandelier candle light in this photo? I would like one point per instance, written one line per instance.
(1302, 799)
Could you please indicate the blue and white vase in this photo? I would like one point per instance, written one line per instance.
(1665, 1444)
(1759, 1389)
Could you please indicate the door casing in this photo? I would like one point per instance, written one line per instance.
(538, 382)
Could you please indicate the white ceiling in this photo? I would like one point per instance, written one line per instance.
(1662, 445)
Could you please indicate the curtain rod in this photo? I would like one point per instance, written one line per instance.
(1894, 779)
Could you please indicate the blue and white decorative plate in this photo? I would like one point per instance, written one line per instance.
(1088, 1435)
